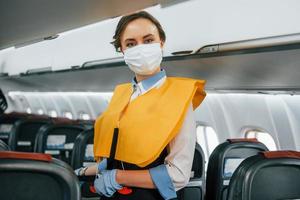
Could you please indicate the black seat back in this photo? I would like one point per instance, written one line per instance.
(57, 140)
(23, 133)
(7, 122)
(4, 146)
(3, 102)
(82, 154)
(267, 176)
(27, 176)
(87, 123)
(195, 188)
(224, 160)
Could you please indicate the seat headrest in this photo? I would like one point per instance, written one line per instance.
(91, 121)
(35, 116)
(62, 120)
(19, 115)
(25, 156)
(281, 154)
(237, 140)
(15, 114)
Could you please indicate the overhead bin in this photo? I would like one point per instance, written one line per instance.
(259, 68)
(266, 42)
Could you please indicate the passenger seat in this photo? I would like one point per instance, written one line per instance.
(267, 176)
(7, 121)
(224, 160)
(58, 140)
(87, 123)
(83, 154)
(28, 176)
(24, 131)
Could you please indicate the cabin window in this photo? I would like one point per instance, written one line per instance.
(263, 137)
(40, 111)
(68, 115)
(207, 138)
(84, 116)
(52, 113)
(28, 110)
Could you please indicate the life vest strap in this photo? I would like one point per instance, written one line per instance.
(113, 148)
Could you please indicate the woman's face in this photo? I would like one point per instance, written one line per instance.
(139, 31)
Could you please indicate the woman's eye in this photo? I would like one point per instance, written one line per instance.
(148, 41)
(129, 45)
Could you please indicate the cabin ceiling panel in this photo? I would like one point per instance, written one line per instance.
(30, 21)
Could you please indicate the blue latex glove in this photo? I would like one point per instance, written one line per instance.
(102, 165)
(106, 184)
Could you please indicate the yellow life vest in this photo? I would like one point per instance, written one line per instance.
(148, 123)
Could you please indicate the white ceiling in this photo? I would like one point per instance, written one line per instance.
(25, 22)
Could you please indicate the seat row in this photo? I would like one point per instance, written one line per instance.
(72, 143)
(194, 190)
(42, 134)
(229, 167)
(15, 121)
(238, 170)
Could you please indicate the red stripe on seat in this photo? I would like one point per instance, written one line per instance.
(62, 120)
(236, 140)
(25, 156)
(281, 154)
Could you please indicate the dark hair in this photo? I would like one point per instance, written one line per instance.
(125, 20)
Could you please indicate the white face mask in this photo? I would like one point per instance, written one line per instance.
(143, 59)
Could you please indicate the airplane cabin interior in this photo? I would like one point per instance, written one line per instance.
(58, 74)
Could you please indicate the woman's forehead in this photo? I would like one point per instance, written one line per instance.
(139, 28)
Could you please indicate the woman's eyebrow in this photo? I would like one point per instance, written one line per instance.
(148, 35)
(132, 39)
(129, 40)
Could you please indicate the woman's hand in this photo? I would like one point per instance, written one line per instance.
(106, 184)
(91, 170)
(80, 171)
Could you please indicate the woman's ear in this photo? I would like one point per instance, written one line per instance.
(121, 50)
(162, 44)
